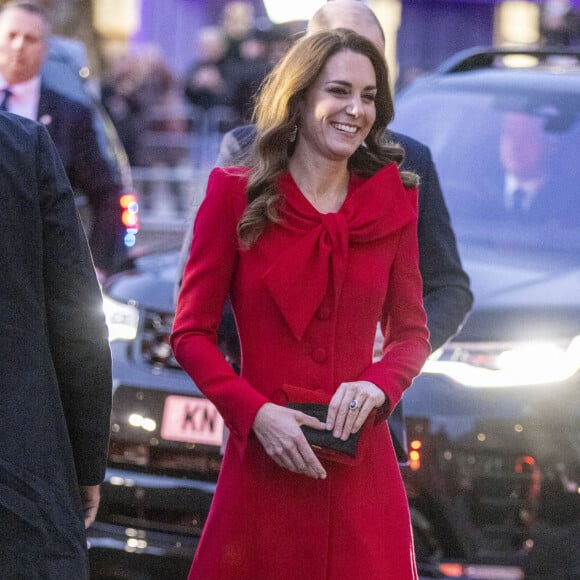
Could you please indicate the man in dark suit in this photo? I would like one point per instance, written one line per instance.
(534, 184)
(534, 175)
(55, 364)
(24, 36)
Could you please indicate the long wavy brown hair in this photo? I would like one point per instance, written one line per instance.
(277, 115)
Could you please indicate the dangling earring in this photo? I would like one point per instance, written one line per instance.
(293, 134)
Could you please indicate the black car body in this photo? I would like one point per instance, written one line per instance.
(495, 415)
(494, 419)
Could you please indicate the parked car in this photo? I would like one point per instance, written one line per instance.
(494, 419)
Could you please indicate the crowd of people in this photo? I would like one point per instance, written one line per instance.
(163, 116)
(159, 114)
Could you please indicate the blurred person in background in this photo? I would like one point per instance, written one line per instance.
(141, 94)
(145, 102)
(120, 96)
(559, 23)
(530, 153)
(206, 83)
(525, 151)
(237, 22)
(55, 365)
(24, 38)
(249, 70)
(259, 51)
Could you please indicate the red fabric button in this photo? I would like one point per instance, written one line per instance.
(323, 313)
(319, 355)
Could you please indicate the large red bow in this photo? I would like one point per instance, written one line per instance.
(298, 279)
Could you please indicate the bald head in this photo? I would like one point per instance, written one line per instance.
(348, 14)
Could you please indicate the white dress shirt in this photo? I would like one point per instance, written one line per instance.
(25, 96)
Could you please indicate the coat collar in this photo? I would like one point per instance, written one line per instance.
(299, 278)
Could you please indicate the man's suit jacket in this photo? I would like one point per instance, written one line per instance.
(554, 202)
(55, 362)
(70, 124)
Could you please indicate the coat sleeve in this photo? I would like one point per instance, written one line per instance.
(206, 284)
(403, 322)
(75, 319)
(446, 292)
(90, 172)
(233, 145)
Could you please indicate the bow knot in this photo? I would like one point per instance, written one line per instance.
(303, 273)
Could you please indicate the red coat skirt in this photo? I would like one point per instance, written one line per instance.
(307, 297)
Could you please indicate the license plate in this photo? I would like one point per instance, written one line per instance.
(191, 419)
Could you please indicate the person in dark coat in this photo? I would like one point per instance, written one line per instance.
(24, 36)
(55, 366)
(206, 83)
(446, 290)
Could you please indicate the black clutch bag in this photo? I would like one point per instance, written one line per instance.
(324, 444)
(320, 440)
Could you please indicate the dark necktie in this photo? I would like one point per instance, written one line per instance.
(6, 94)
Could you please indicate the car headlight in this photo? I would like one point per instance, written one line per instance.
(122, 319)
(511, 364)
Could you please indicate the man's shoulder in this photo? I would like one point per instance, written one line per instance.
(60, 102)
(235, 145)
(414, 150)
(244, 134)
(17, 127)
(412, 147)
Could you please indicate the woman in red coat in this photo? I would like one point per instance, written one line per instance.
(314, 242)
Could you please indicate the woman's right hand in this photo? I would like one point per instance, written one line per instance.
(278, 430)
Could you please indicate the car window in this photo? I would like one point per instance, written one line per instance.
(496, 150)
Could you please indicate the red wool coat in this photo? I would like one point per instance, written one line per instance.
(307, 297)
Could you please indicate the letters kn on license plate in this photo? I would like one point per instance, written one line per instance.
(191, 419)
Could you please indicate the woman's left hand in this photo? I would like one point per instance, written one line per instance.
(351, 405)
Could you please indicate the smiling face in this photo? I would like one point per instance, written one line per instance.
(338, 111)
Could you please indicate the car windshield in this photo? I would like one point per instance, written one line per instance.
(507, 163)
